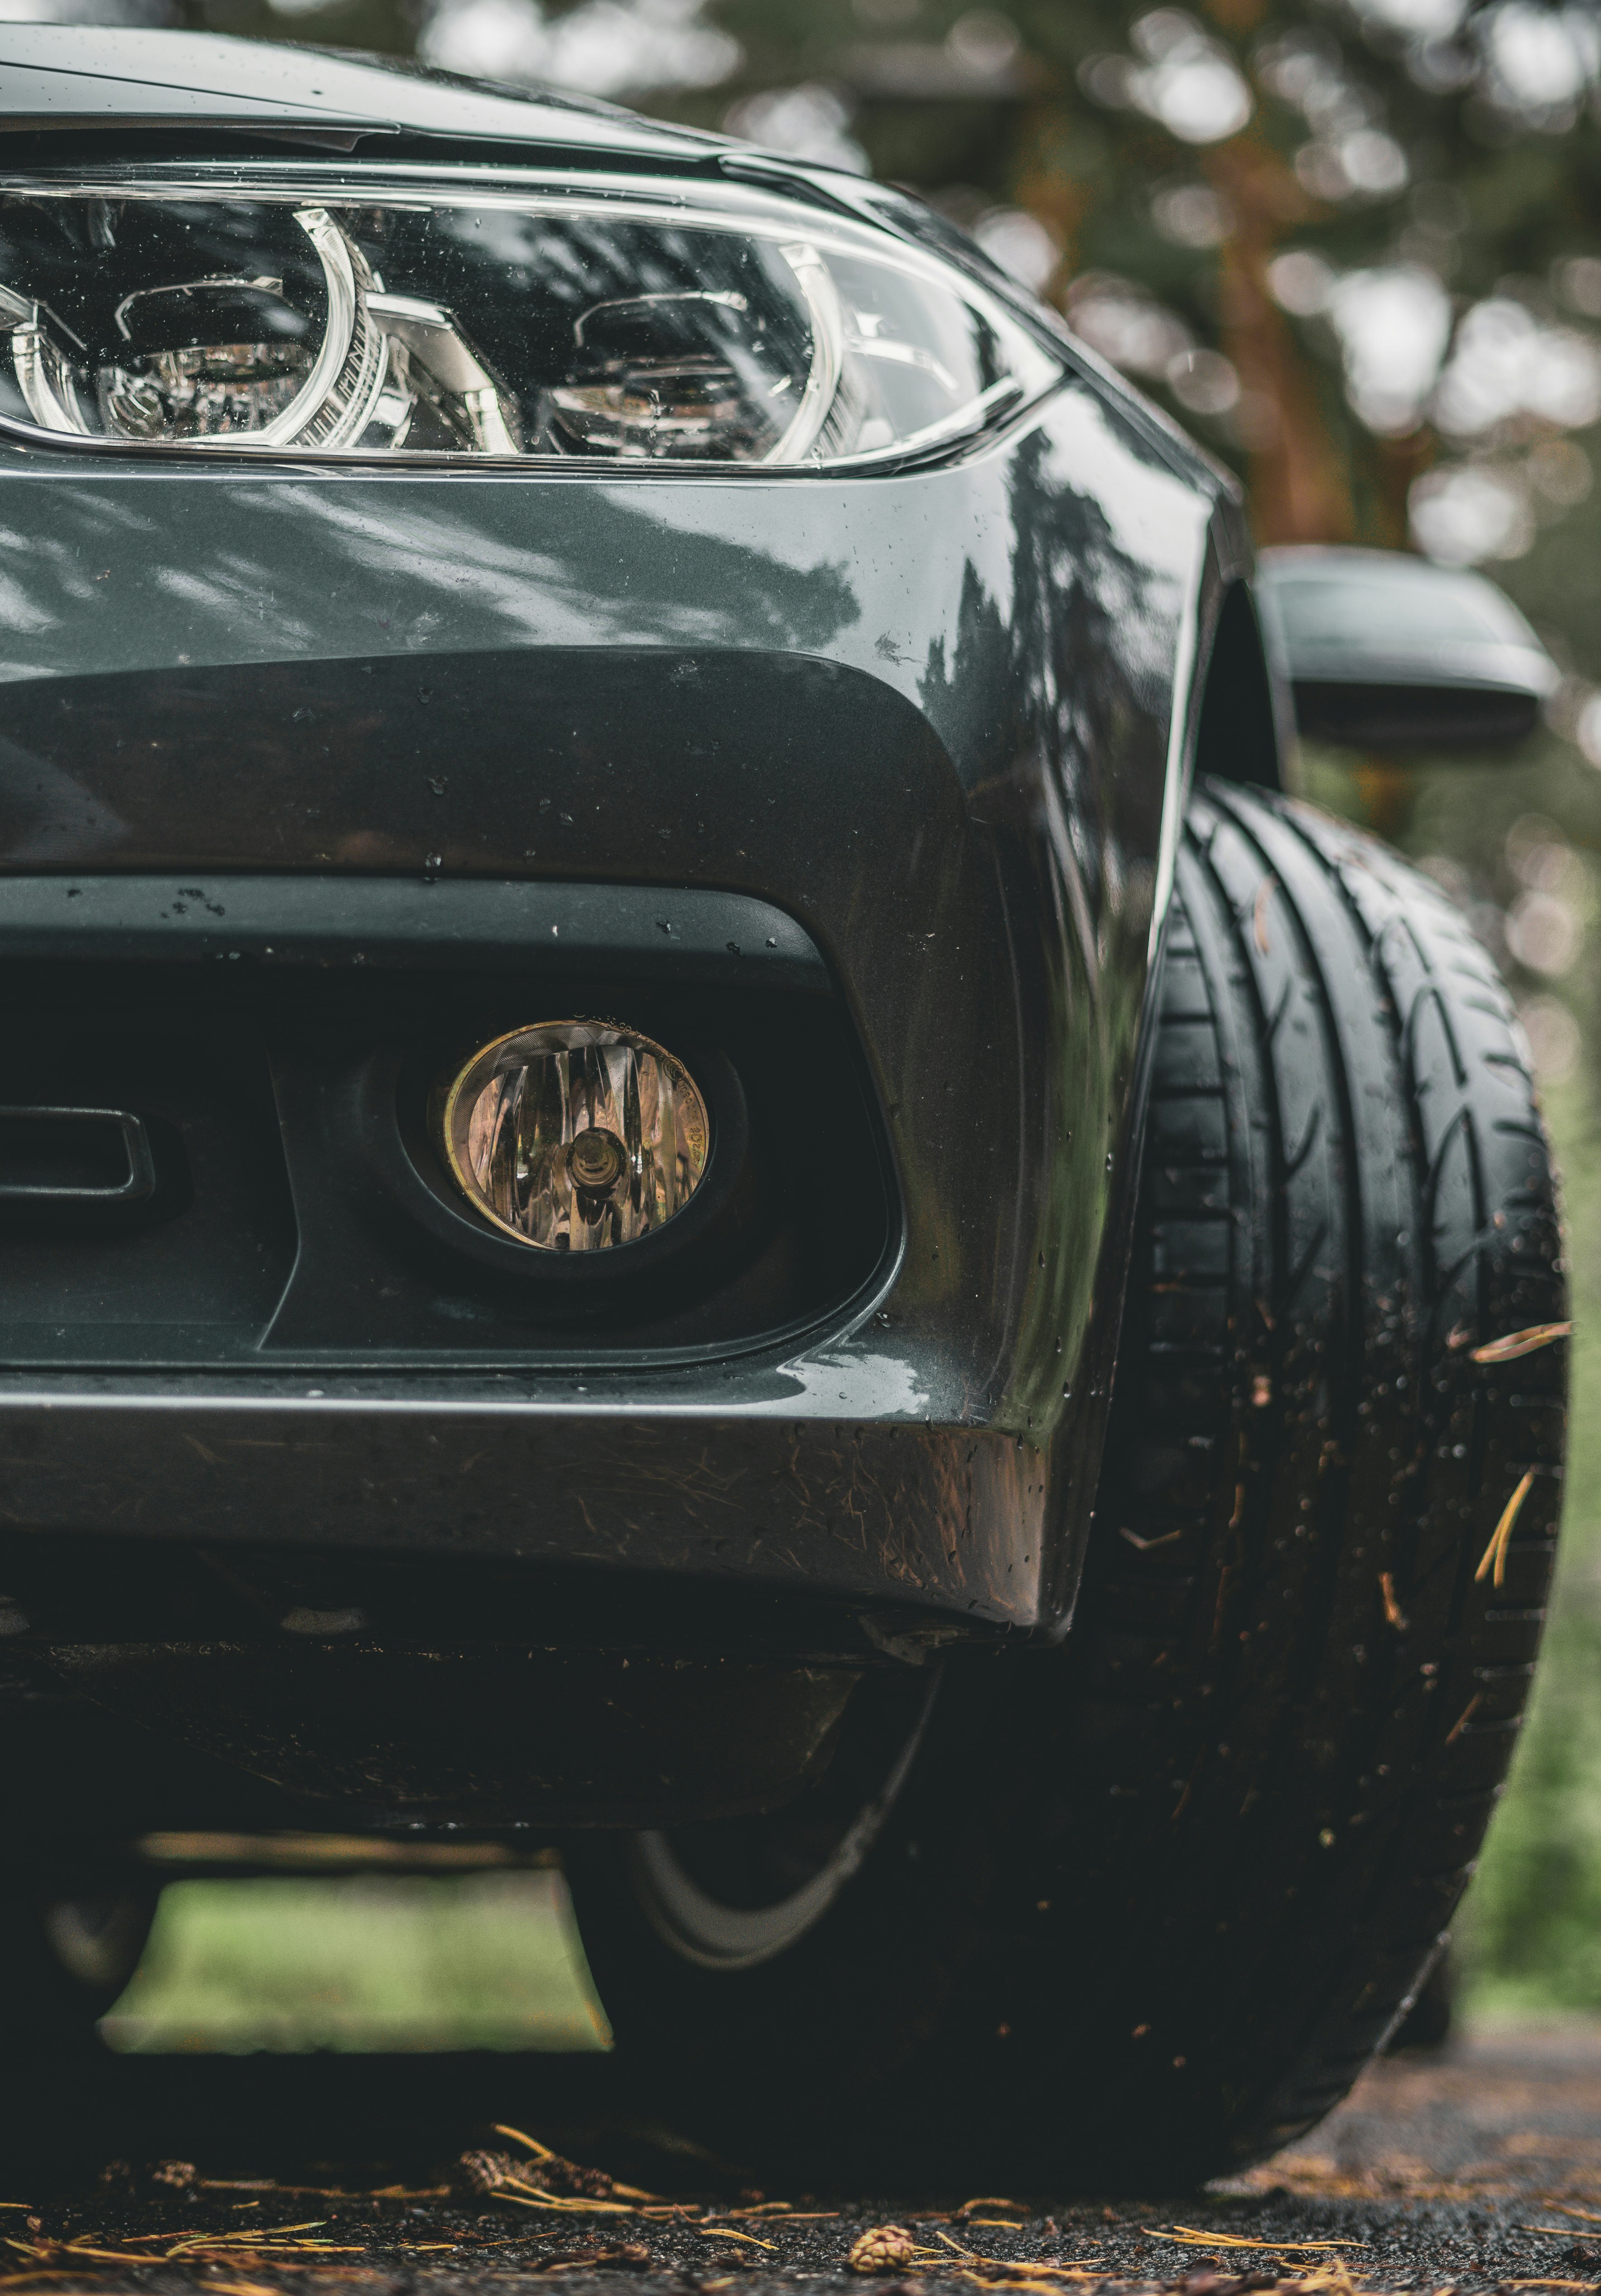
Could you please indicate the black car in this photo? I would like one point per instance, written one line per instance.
(697, 1167)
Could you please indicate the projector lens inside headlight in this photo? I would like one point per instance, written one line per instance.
(675, 326)
(575, 1135)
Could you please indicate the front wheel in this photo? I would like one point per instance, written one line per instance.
(1139, 1909)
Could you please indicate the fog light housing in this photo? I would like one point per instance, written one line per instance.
(575, 1135)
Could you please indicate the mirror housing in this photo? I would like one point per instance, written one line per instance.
(1382, 651)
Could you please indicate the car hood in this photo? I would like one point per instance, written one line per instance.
(87, 78)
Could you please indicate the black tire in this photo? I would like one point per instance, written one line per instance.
(1144, 1905)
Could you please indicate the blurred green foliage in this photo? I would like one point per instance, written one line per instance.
(1529, 1938)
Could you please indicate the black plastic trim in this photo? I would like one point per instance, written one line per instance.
(1240, 737)
(726, 940)
(140, 1182)
(1368, 713)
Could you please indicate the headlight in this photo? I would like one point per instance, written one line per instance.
(675, 326)
(575, 1135)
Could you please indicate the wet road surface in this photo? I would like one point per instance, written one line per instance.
(1477, 2167)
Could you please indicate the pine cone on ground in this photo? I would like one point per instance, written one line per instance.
(485, 2172)
(881, 2248)
(554, 2175)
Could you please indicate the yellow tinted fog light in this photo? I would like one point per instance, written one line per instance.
(574, 1135)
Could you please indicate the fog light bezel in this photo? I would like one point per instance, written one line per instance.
(396, 1108)
(448, 1111)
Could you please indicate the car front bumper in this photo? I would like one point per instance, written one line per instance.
(938, 723)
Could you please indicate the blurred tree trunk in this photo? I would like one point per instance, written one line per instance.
(1300, 488)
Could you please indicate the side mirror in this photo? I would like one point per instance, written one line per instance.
(1387, 652)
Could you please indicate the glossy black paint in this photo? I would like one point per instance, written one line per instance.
(941, 719)
(758, 1479)
(61, 82)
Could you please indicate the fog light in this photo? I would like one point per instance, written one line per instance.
(574, 1135)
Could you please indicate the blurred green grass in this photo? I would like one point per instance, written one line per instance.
(1528, 1937)
(381, 1962)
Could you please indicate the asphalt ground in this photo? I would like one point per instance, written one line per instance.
(1472, 2168)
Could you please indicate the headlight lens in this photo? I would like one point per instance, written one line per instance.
(575, 1135)
(671, 328)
